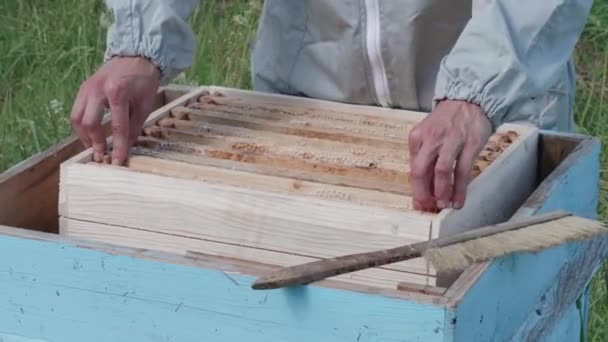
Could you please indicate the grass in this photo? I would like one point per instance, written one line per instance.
(47, 48)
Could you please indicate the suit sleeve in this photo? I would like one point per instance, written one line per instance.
(153, 29)
(511, 50)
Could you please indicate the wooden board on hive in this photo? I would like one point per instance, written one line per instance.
(282, 180)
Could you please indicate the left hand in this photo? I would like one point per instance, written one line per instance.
(443, 148)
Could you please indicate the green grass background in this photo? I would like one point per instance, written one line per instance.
(47, 48)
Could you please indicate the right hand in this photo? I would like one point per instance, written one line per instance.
(125, 85)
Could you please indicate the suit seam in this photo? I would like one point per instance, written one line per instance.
(298, 53)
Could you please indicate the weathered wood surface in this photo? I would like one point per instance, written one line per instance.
(551, 307)
(71, 293)
(492, 301)
(378, 277)
(27, 189)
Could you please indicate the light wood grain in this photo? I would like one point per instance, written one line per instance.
(181, 245)
(298, 225)
(187, 130)
(326, 133)
(298, 118)
(300, 168)
(255, 181)
(316, 105)
(187, 154)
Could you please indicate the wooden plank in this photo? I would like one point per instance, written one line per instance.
(553, 149)
(392, 131)
(325, 133)
(316, 105)
(370, 178)
(174, 91)
(499, 298)
(136, 238)
(426, 289)
(575, 165)
(568, 286)
(235, 215)
(207, 261)
(203, 132)
(69, 293)
(30, 189)
(252, 164)
(248, 180)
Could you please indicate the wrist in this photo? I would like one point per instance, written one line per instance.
(140, 63)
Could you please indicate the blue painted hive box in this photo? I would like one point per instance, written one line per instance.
(57, 288)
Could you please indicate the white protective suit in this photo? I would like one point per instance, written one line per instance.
(511, 57)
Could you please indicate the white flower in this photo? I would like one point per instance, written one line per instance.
(56, 106)
(239, 19)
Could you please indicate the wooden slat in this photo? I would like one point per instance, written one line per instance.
(298, 225)
(562, 295)
(249, 180)
(333, 173)
(201, 129)
(316, 105)
(29, 191)
(276, 147)
(169, 153)
(326, 133)
(181, 245)
(300, 119)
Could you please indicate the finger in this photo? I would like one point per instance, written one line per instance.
(414, 142)
(462, 171)
(140, 112)
(76, 116)
(422, 173)
(444, 169)
(118, 101)
(91, 122)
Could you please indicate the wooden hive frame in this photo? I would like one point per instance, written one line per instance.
(256, 177)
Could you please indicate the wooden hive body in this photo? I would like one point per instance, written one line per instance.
(282, 180)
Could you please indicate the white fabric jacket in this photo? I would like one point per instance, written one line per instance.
(512, 57)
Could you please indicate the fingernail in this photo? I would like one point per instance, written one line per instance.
(97, 157)
(457, 205)
(442, 204)
(116, 162)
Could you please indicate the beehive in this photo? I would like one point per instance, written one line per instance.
(282, 180)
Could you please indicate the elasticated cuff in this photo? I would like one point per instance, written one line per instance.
(146, 48)
(155, 30)
(448, 88)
